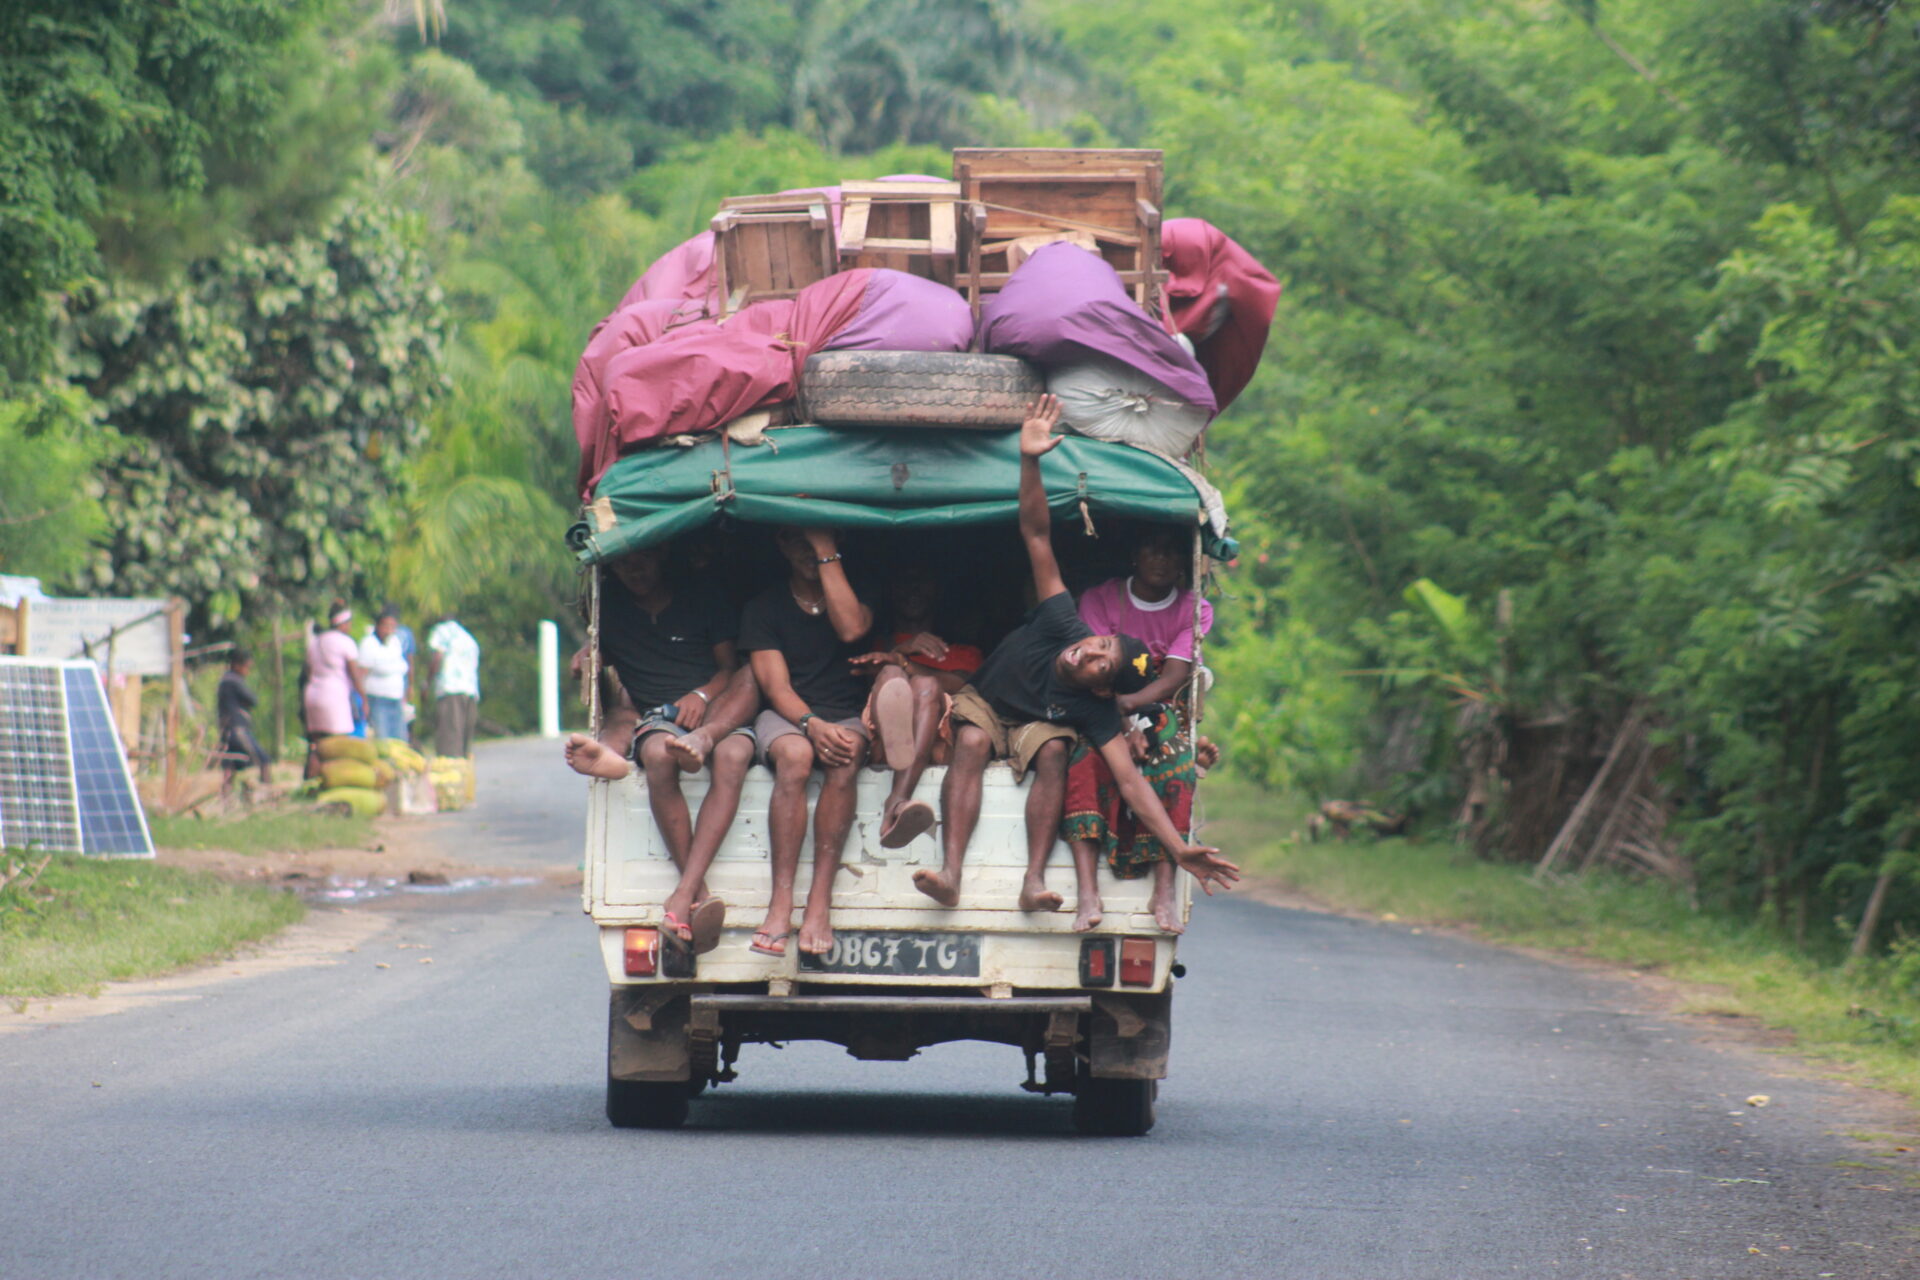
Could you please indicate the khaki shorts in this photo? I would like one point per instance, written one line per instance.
(770, 726)
(1017, 742)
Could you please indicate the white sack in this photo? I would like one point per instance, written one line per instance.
(1108, 400)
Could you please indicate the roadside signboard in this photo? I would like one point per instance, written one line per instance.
(63, 630)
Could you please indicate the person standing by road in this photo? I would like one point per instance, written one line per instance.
(384, 660)
(453, 665)
(1048, 681)
(334, 675)
(802, 636)
(233, 703)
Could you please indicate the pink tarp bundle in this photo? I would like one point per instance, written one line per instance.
(702, 375)
(1221, 298)
(1064, 303)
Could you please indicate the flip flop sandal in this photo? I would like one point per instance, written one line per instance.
(893, 709)
(771, 938)
(914, 820)
(673, 925)
(707, 919)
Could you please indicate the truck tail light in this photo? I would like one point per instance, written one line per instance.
(642, 952)
(1136, 962)
(1096, 962)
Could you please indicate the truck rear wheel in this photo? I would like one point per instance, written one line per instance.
(647, 1104)
(1114, 1108)
(918, 389)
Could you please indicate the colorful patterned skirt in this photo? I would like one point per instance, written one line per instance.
(1096, 813)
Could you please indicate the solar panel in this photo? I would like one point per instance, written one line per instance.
(64, 782)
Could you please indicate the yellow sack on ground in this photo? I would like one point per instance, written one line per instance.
(401, 756)
(364, 802)
(349, 773)
(343, 746)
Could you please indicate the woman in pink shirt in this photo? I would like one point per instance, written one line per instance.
(333, 674)
(1154, 606)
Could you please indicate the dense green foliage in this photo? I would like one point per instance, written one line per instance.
(1591, 402)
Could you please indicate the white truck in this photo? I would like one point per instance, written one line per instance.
(1092, 1012)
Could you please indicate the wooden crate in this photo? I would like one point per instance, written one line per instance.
(905, 226)
(771, 247)
(1112, 195)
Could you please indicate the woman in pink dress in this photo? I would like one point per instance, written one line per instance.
(1154, 606)
(333, 674)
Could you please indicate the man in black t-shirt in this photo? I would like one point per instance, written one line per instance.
(1049, 680)
(801, 637)
(688, 700)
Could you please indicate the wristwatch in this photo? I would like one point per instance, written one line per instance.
(801, 723)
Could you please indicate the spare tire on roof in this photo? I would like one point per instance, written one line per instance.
(918, 389)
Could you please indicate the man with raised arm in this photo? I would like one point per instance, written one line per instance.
(802, 635)
(1048, 681)
(674, 652)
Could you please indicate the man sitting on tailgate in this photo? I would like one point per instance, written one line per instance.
(1048, 680)
(802, 635)
(673, 650)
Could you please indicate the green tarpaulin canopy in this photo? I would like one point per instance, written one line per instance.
(901, 479)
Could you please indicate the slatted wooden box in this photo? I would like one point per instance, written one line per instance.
(905, 226)
(1112, 195)
(771, 247)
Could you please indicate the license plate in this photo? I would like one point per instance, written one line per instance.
(948, 955)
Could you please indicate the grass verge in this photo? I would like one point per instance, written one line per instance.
(290, 830)
(1866, 1017)
(82, 922)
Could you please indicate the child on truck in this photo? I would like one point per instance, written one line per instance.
(674, 652)
(1154, 604)
(1049, 680)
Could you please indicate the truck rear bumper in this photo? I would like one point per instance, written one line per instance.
(665, 1033)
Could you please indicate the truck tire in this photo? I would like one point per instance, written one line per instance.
(1114, 1108)
(646, 1104)
(918, 389)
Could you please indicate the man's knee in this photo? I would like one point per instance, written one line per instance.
(732, 755)
(1051, 758)
(925, 688)
(792, 757)
(971, 747)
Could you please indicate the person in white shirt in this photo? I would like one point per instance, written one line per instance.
(453, 660)
(383, 657)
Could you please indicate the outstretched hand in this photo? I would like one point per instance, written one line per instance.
(1204, 863)
(1036, 433)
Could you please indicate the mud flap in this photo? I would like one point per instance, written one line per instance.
(647, 1035)
(1129, 1036)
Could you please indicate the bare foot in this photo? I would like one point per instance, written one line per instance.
(1166, 912)
(816, 936)
(939, 886)
(1035, 896)
(1088, 917)
(594, 759)
(690, 752)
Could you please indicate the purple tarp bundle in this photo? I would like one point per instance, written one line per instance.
(1064, 303)
(902, 312)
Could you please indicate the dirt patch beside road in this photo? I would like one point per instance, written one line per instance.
(399, 852)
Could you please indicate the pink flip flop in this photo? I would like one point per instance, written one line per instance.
(914, 820)
(893, 710)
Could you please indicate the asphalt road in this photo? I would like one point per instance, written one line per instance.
(1349, 1101)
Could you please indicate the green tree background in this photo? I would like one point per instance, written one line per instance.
(1591, 405)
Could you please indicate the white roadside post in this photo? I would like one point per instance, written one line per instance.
(549, 679)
